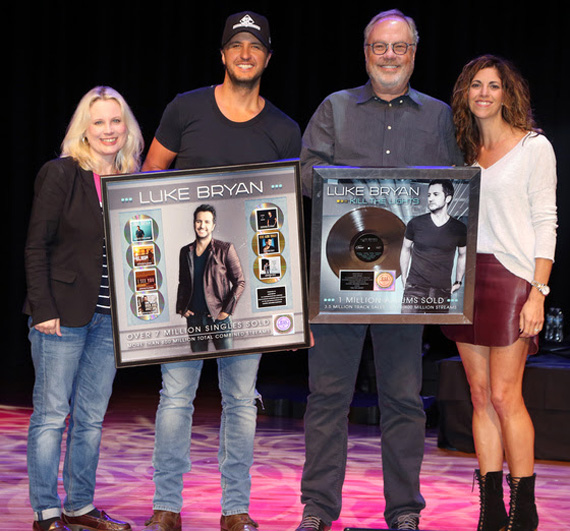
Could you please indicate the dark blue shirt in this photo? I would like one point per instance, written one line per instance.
(355, 127)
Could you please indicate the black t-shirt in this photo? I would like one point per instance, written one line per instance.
(198, 303)
(433, 251)
(193, 127)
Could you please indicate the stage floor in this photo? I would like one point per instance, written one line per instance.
(125, 487)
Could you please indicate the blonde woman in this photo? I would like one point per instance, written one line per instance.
(68, 304)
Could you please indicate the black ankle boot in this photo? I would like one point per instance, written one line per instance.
(492, 513)
(522, 513)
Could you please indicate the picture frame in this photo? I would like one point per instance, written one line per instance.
(360, 219)
(149, 230)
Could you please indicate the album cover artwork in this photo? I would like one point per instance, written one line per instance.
(393, 245)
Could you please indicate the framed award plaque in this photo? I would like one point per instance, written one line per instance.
(393, 245)
(206, 263)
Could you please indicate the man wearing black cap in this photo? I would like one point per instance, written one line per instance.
(230, 123)
(216, 126)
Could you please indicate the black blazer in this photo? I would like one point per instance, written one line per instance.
(64, 248)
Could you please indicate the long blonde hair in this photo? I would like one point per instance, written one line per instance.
(74, 144)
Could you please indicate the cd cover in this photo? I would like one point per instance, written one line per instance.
(393, 245)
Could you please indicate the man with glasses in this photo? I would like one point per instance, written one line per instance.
(383, 123)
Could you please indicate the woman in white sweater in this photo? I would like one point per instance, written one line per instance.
(515, 252)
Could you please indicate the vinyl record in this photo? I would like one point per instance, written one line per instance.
(366, 238)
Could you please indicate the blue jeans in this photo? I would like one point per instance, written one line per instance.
(333, 368)
(237, 377)
(74, 376)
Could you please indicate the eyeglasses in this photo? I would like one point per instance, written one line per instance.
(380, 48)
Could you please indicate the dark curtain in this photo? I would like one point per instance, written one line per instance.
(150, 51)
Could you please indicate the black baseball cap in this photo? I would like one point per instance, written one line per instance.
(248, 21)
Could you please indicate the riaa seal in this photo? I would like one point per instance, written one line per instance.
(283, 324)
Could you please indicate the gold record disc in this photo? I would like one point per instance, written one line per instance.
(269, 269)
(365, 238)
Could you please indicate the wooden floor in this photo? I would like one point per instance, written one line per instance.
(125, 487)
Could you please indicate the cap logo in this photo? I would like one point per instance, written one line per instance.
(247, 22)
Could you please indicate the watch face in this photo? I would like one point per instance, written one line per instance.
(545, 290)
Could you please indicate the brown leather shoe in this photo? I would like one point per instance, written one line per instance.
(94, 523)
(163, 521)
(237, 522)
(57, 524)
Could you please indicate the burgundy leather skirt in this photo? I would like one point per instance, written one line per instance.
(499, 298)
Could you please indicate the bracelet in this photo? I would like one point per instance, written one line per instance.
(543, 288)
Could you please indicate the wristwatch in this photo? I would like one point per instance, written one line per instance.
(543, 288)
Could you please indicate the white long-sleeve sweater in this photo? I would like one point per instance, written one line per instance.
(517, 206)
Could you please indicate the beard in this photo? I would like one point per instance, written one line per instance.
(243, 83)
(388, 82)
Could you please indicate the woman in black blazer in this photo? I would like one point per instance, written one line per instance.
(68, 304)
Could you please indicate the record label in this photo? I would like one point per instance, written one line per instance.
(368, 247)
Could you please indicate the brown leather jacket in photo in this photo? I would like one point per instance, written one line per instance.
(224, 281)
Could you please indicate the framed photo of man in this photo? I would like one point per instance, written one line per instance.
(206, 263)
(393, 245)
